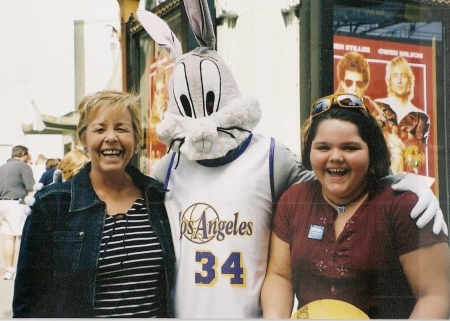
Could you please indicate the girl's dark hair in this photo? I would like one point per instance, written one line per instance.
(370, 132)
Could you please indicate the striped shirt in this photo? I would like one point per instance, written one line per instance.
(130, 274)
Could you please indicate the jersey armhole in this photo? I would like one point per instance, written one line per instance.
(271, 170)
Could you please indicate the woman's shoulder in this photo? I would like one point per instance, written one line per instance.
(144, 180)
(392, 202)
(302, 192)
(54, 188)
(51, 200)
(305, 187)
(386, 192)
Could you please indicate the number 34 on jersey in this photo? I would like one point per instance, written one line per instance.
(211, 269)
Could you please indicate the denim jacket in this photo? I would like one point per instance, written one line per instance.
(60, 248)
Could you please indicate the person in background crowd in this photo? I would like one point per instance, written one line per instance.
(16, 182)
(72, 163)
(47, 177)
(348, 236)
(39, 167)
(99, 244)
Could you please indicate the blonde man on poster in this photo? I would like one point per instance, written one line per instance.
(413, 122)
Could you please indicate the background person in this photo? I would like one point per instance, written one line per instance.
(38, 167)
(348, 236)
(99, 244)
(16, 182)
(50, 165)
(72, 163)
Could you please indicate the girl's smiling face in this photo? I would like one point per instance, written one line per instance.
(110, 140)
(340, 160)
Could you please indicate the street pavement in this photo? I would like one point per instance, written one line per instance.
(6, 287)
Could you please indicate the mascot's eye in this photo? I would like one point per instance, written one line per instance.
(212, 83)
(181, 92)
(210, 97)
(186, 105)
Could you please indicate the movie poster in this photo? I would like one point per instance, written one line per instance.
(395, 81)
(161, 68)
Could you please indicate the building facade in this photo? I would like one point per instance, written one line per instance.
(54, 52)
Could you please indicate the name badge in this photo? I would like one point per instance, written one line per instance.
(315, 232)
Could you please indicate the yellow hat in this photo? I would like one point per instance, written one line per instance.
(329, 309)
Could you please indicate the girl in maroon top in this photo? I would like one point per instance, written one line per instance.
(348, 236)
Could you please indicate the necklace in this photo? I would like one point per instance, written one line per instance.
(341, 207)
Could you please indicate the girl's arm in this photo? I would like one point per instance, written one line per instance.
(277, 295)
(428, 272)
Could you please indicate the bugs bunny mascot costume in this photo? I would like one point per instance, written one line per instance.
(223, 180)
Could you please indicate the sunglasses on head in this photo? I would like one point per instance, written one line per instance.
(359, 83)
(341, 100)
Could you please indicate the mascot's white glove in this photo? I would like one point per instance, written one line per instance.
(30, 200)
(427, 203)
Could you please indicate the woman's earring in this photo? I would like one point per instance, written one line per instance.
(136, 151)
(85, 151)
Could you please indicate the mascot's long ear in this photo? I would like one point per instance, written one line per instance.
(201, 23)
(159, 30)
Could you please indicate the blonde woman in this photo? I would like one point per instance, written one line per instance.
(72, 162)
(99, 245)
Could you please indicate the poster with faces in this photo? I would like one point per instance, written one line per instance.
(395, 81)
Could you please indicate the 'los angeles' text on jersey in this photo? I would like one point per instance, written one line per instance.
(201, 223)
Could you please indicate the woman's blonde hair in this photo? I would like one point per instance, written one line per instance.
(73, 162)
(116, 102)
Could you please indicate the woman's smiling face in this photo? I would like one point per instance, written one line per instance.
(110, 140)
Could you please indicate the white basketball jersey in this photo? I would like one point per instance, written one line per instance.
(221, 233)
